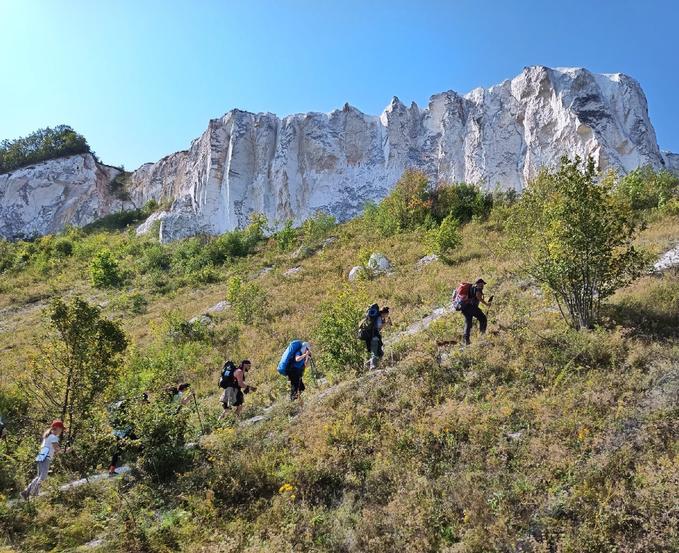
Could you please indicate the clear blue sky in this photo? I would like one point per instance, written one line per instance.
(140, 79)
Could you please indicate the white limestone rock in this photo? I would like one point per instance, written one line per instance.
(292, 272)
(293, 166)
(427, 260)
(355, 273)
(378, 263)
(45, 197)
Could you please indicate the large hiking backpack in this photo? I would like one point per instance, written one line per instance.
(461, 295)
(227, 379)
(288, 357)
(365, 328)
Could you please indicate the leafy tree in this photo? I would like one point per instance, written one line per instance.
(646, 189)
(461, 200)
(247, 299)
(285, 238)
(446, 237)
(78, 362)
(576, 237)
(336, 332)
(41, 145)
(317, 227)
(104, 270)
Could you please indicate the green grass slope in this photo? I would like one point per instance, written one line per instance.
(537, 438)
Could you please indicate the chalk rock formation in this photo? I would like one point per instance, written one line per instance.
(336, 162)
(45, 197)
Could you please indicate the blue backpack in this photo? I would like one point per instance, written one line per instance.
(288, 357)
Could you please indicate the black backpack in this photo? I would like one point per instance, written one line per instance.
(366, 327)
(227, 379)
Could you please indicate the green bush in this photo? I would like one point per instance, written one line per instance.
(285, 238)
(247, 299)
(646, 189)
(41, 145)
(461, 201)
(105, 271)
(445, 238)
(575, 237)
(336, 333)
(317, 227)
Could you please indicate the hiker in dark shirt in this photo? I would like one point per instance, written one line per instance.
(470, 309)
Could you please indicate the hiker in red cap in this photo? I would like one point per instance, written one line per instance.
(48, 449)
(467, 298)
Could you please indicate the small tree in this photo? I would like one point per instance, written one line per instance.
(247, 298)
(336, 332)
(78, 362)
(575, 237)
(104, 270)
(445, 238)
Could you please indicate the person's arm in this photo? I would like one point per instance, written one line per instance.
(186, 398)
(240, 379)
(479, 296)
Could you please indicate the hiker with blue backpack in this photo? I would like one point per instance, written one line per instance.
(232, 380)
(466, 298)
(295, 359)
(48, 449)
(370, 332)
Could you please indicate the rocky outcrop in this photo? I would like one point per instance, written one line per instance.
(45, 197)
(291, 167)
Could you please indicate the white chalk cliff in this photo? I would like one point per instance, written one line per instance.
(291, 167)
(45, 197)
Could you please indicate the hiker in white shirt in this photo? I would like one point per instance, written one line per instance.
(48, 449)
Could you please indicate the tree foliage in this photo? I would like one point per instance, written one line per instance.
(43, 144)
(576, 238)
(78, 362)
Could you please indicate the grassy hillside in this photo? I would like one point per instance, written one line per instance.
(537, 438)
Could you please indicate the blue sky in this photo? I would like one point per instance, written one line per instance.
(140, 79)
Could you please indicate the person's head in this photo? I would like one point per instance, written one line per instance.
(480, 283)
(56, 428)
(245, 365)
(183, 387)
(306, 346)
(384, 311)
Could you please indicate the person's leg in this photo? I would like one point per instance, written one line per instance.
(240, 398)
(295, 379)
(33, 488)
(374, 352)
(483, 320)
(467, 325)
(114, 457)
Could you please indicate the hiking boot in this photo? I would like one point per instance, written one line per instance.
(24, 495)
(112, 471)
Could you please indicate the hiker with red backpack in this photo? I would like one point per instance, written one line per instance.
(466, 298)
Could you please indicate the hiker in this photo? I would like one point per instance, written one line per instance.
(370, 331)
(48, 449)
(294, 361)
(2, 429)
(467, 298)
(180, 394)
(233, 382)
(123, 430)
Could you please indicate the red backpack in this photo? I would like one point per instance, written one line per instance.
(461, 295)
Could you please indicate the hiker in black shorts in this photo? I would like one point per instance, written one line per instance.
(235, 387)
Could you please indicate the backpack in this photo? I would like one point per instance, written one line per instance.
(288, 356)
(461, 295)
(365, 328)
(227, 380)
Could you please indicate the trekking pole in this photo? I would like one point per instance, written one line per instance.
(313, 369)
(200, 419)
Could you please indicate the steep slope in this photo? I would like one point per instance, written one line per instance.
(45, 197)
(290, 167)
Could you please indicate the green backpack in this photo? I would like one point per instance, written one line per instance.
(365, 328)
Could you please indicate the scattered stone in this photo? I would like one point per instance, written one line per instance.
(254, 420)
(378, 263)
(302, 252)
(356, 273)
(513, 436)
(204, 320)
(263, 271)
(293, 271)
(94, 543)
(219, 307)
(328, 241)
(668, 260)
(427, 259)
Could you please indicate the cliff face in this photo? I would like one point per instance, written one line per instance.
(501, 136)
(290, 167)
(45, 197)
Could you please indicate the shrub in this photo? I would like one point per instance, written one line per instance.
(63, 247)
(646, 189)
(155, 258)
(461, 201)
(336, 332)
(247, 299)
(285, 238)
(317, 227)
(444, 239)
(41, 145)
(104, 270)
(575, 237)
